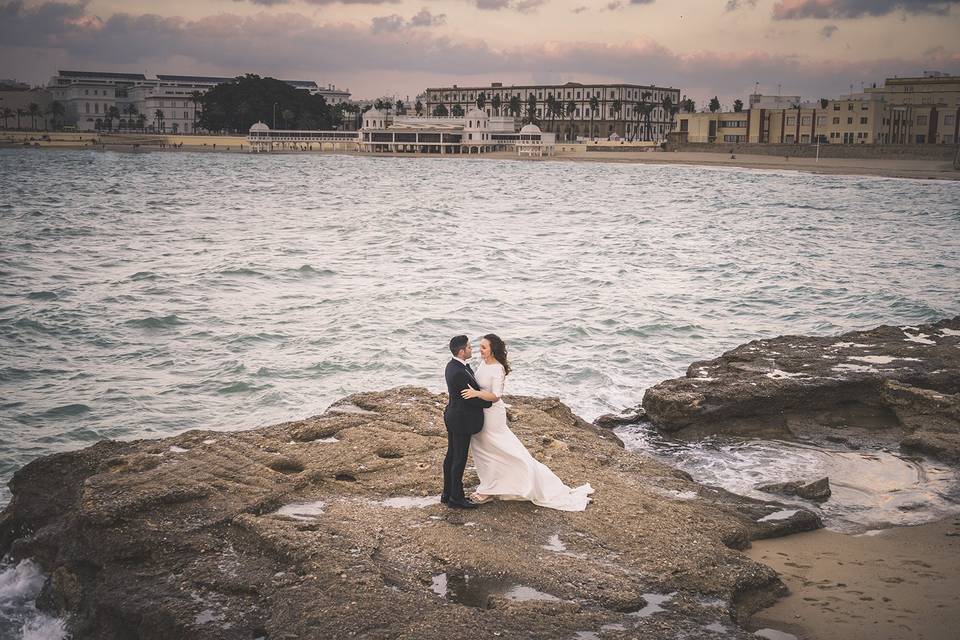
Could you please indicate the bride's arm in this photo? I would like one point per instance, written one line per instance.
(470, 392)
(491, 396)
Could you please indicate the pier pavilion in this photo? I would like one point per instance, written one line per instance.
(473, 134)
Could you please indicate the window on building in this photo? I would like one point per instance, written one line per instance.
(788, 139)
(849, 106)
(949, 118)
(849, 120)
(791, 120)
(863, 120)
(821, 120)
(921, 119)
(836, 121)
(864, 106)
(836, 106)
(805, 120)
(921, 139)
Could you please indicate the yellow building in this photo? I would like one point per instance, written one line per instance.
(924, 109)
(713, 127)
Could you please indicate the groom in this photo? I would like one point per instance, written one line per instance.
(463, 419)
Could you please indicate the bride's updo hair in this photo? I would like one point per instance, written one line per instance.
(499, 350)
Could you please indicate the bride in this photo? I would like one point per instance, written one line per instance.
(505, 467)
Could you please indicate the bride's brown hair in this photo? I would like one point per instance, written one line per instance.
(499, 350)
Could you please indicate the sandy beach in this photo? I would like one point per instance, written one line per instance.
(892, 168)
(884, 585)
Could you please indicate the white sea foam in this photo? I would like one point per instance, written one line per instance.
(881, 359)
(301, 510)
(19, 587)
(786, 514)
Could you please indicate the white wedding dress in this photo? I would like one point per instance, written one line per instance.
(505, 467)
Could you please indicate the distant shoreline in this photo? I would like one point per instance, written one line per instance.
(883, 167)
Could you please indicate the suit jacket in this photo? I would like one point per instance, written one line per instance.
(462, 416)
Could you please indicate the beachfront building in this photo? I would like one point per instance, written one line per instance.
(598, 110)
(165, 103)
(923, 109)
(15, 104)
(473, 133)
(863, 118)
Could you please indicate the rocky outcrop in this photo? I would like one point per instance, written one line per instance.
(331, 527)
(886, 386)
(818, 490)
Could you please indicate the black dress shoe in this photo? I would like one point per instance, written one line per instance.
(444, 499)
(461, 503)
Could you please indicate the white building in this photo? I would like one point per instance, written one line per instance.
(475, 132)
(166, 102)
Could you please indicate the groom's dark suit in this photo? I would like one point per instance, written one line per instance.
(463, 419)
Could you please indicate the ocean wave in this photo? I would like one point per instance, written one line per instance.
(144, 275)
(156, 322)
(241, 387)
(42, 295)
(309, 272)
(242, 272)
(66, 410)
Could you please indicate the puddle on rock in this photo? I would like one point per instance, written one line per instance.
(304, 511)
(475, 591)
(870, 489)
(653, 600)
(773, 634)
(410, 502)
(554, 544)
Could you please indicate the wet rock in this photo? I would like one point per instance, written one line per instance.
(818, 490)
(612, 420)
(871, 388)
(290, 531)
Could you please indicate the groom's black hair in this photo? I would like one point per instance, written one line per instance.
(457, 343)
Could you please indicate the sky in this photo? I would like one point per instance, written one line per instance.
(727, 48)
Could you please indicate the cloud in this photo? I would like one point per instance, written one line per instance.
(579, 9)
(829, 30)
(394, 23)
(826, 9)
(613, 6)
(274, 3)
(520, 6)
(733, 5)
(426, 19)
(412, 57)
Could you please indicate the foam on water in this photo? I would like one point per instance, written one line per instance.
(20, 585)
(870, 489)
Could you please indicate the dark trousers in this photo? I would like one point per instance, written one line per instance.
(458, 444)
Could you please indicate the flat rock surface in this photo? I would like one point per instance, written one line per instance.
(885, 386)
(331, 527)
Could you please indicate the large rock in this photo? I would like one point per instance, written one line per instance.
(330, 527)
(873, 388)
(818, 490)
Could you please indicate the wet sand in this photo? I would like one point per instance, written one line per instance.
(901, 583)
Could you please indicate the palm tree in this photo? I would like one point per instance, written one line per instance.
(551, 109)
(158, 119)
(131, 111)
(714, 104)
(737, 105)
(668, 109)
(457, 111)
(481, 100)
(648, 108)
(616, 106)
(496, 103)
(57, 111)
(33, 110)
(7, 113)
(594, 105)
(401, 109)
(440, 110)
(20, 114)
(418, 107)
(141, 121)
(532, 108)
(515, 108)
(112, 114)
(571, 109)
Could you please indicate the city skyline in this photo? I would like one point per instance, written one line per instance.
(727, 48)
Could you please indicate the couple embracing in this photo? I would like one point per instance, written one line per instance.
(476, 418)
